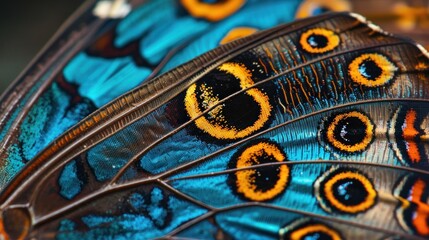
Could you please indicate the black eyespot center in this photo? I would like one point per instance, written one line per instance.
(345, 190)
(234, 118)
(261, 183)
(370, 70)
(347, 133)
(266, 177)
(350, 191)
(317, 41)
(350, 131)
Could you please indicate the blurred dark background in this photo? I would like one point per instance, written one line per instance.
(25, 26)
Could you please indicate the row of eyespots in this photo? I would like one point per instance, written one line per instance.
(367, 69)
(413, 211)
(225, 121)
(348, 132)
(352, 132)
(408, 137)
(304, 229)
(343, 190)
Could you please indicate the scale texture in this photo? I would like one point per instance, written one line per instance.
(313, 130)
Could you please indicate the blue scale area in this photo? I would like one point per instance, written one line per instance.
(200, 230)
(69, 182)
(102, 80)
(160, 27)
(211, 38)
(150, 216)
(303, 145)
(52, 114)
(296, 195)
(258, 222)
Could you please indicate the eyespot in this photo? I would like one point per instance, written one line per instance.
(413, 211)
(309, 229)
(372, 70)
(408, 141)
(262, 183)
(310, 8)
(349, 132)
(345, 190)
(237, 33)
(229, 120)
(319, 40)
(212, 11)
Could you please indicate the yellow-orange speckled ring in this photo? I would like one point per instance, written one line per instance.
(263, 183)
(217, 123)
(372, 70)
(212, 11)
(305, 228)
(319, 40)
(349, 132)
(313, 7)
(345, 190)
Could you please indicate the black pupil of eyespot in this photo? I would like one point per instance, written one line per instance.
(350, 192)
(317, 41)
(350, 131)
(239, 112)
(369, 69)
(266, 177)
(317, 236)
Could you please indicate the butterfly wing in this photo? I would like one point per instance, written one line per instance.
(293, 131)
(94, 60)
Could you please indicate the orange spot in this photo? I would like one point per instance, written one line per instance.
(421, 66)
(409, 133)
(308, 7)
(302, 233)
(422, 211)
(237, 33)
(212, 12)
(3, 234)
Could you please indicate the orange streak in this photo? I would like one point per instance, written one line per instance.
(422, 211)
(409, 133)
(263, 65)
(3, 234)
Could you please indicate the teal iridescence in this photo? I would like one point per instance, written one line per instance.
(52, 114)
(69, 181)
(99, 80)
(159, 28)
(145, 219)
(258, 139)
(102, 80)
(303, 94)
